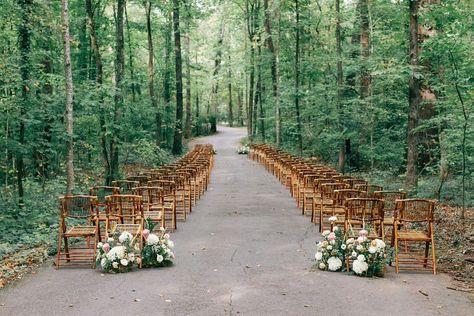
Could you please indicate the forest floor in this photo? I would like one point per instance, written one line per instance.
(245, 249)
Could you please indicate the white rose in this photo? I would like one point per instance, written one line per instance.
(325, 233)
(332, 219)
(170, 244)
(334, 263)
(131, 257)
(103, 262)
(159, 258)
(318, 256)
(372, 250)
(124, 262)
(354, 254)
(380, 243)
(110, 239)
(322, 266)
(335, 229)
(350, 241)
(329, 247)
(167, 236)
(359, 267)
(359, 247)
(115, 265)
(361, 258)
(361, 239)
(99, 245)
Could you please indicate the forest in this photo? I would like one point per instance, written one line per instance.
(91, 89)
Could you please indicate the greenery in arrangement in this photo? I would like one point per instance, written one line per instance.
(158, 249)
(331, 252)
(118, 255)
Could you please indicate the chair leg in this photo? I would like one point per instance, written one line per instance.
(433, 253)
(396, 255)
(59, 250)
(427, 251)
(66, 249)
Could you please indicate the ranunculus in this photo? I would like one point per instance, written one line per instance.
(99, 245)
(361, 239)
(331, 236)
(329, 247)
(361, 258)
(380, 243)
(334, 263)
(360, 247)
(318, 256)
(332, 219)
(372, 250)
(325, 233)
(106, 247)
(363, 233)
(350, 241)
(125, 236)
(322, 266)
(159, 258)
(124, 262)
(145, 233)
(115, 265)
(152, 240)
(170, 244)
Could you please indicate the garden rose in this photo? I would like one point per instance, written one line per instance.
(363, 233)
(331, 236)
(124, 262)
(332, 219)
(318, 256)
(145, 233)
(159, 258)
(106, 247)
(152, 240)
(125, 236)
(334, 263)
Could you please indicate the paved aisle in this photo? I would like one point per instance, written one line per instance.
(244, 250)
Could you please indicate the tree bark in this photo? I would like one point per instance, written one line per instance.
(118, 98)
(188, 122)
(340, 87)
(215, 85)
(151, 74)
(274, 71)
(414, 98)
(229, 88)
(133, 84)
(365, 49)
(167, 80)
(178, 132)
(297, 79)
(69, 98)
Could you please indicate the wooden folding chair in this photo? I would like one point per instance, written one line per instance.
(77, 221)
(125, 185)
(414, 227)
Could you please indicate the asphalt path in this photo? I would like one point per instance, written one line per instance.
(245, 250)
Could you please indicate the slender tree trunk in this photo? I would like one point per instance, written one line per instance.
(297, 79)
(365, 48)
(414, 98)
(69, 98)
(229, 88)
(118, 98)
(215, 87)
(260, 91)
(130, 57)
(167, 80)
(274, 71)
(99, 72)
(24, 45)
(178, 132)
(240, 121)
(187, 129)
(151, 74)
(340, 87)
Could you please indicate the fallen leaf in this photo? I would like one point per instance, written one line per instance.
(306, 305)
(137, 300)
(423, 293)
(70, 305)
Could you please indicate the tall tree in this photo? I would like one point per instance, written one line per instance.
(414, 98)
(24, 46)
(118, 98)
(187, 47)
(274, 71)
(151, 74)
(69, 97)
(297, 78)
(178, 131)
(229, 90)
(215, 79)
(340, 86)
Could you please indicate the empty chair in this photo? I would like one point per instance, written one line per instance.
(153, 205)
(125, 185)
(368, 188)
(327, 200)
(142, 179)
(78, 215)
(414, 219)
(338, 205)
(389, 205)
(169, 201)
(364, 214)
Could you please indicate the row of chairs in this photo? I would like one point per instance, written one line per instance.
(321, 192)
(162, 196)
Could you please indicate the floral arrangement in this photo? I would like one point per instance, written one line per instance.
(117, 257)
(368, 256)
(157, 251)
(331, 251)
(243, 150)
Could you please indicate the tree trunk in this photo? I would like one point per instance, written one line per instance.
(365, 48)
(215, 87)
(229, 88)
(130, 58)
(178, 132)
(69, 98)
(340, 87)
(151, 74)
(414, 99)
(99, 80)
(24, 46)
(297, 80)
(274, 72)
(240, 121)
(118, 98)
(187, 129)
(167, 81)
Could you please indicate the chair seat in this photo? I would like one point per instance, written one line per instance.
(168, 205)
(388, 221)
(77, 231)
(413, 235)
(131, 228)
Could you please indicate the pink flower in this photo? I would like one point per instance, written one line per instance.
(363, 233)
(145, 233)
(331, 236)
(106, 247)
